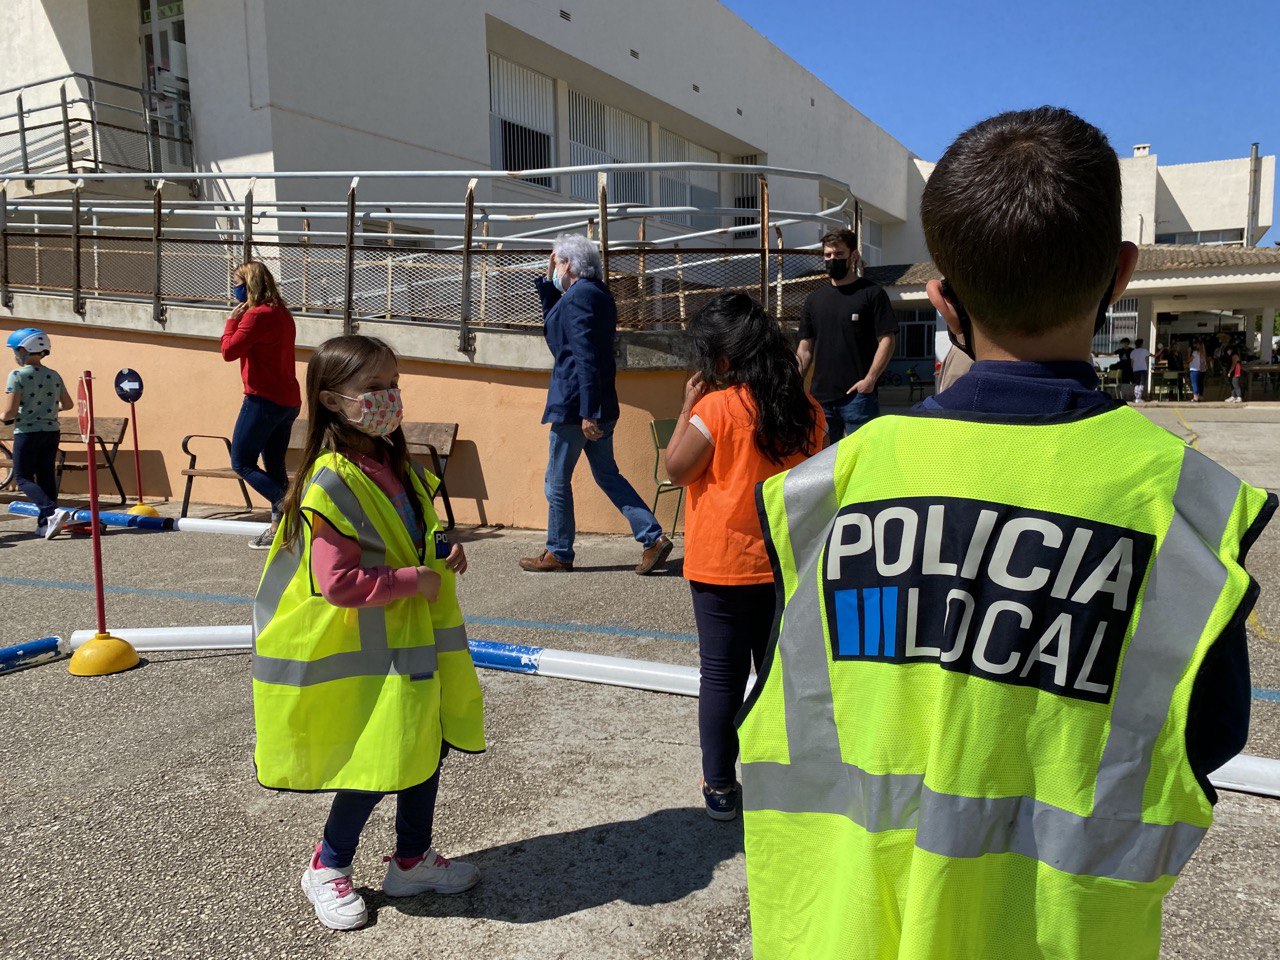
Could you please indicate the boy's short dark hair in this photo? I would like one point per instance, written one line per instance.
(843, 235)
(1022, 216)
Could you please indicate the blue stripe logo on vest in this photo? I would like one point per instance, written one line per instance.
(867, 622)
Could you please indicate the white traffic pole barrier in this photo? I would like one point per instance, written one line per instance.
(237, 528)
(1244, 774)
(177, 639)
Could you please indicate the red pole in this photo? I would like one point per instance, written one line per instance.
(137, 459)
(95, 531)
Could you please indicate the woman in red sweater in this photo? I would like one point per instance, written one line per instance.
(260, 334)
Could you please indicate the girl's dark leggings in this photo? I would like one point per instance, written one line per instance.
(734, 624)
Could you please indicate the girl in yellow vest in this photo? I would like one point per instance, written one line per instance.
(362, 678)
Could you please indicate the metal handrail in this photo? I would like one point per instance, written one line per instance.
(75, 75)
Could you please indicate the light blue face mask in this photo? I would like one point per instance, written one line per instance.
(555, 281)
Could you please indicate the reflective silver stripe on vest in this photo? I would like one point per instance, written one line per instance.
(968, 827)
(1186, 580)
(809, 494)
(1176, 607)
(375, 657)
(407, 661)
(451, 639)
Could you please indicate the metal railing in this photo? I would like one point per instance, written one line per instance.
(97, 126)
(329, 261)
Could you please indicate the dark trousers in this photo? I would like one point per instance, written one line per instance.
(262, 430)
(415, 814)
(35, 467)
(734, 624)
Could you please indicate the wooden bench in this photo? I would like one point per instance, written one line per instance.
(432, 441)
(108, 436)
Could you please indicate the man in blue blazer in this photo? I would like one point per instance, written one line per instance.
(580, 320)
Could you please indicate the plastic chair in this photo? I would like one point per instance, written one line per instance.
(660, 431)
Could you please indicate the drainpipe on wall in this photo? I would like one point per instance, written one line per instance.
(1255, 196)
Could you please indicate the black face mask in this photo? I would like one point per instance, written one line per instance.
(837, 267)
(966, 325)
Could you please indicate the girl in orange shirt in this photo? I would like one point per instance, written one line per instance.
(746, 417)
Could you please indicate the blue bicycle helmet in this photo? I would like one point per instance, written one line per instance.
(29, 339)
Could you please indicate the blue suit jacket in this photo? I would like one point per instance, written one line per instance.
(579, 328)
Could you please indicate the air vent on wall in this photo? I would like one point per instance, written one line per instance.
(739, 111)
(566, 15)
(635, 54)
(696, 88)
(812, 102)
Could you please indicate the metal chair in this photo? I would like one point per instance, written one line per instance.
(660, 431)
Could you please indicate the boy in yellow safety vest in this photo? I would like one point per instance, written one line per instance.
(1012, 645)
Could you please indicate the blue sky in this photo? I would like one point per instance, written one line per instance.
(1199, 81)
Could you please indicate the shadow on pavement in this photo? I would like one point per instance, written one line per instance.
(660, 858)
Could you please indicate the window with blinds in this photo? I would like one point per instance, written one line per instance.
(684, 188)
(599, 133)
(746, 196)
(872, 242)
(522, 119)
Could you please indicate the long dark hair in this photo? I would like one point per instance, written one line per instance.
(333, 364)
(735, 328)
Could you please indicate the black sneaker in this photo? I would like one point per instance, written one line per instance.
(722, 804)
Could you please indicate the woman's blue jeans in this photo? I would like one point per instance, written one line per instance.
(262, 430)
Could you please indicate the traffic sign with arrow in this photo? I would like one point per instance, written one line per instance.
(129, 385)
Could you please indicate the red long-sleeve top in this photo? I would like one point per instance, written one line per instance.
(262, 339)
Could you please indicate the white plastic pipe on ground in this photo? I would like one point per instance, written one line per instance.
(239, 528)
(1243, 774)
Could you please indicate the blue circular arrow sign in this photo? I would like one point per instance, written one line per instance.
(129, 385)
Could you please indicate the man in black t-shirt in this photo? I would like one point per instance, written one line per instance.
(847, 334)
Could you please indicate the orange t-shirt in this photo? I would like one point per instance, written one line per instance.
(724, 544)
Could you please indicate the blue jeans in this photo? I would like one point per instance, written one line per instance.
(351, 809)
(1197, 382)
(847, 415)
(262, 430)
(35, 468)
(567, 444)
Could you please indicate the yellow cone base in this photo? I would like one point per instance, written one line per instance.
(143, 510)
(102, 655)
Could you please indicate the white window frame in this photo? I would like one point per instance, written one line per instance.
(687, 188)
(600, 133)
(521, 101)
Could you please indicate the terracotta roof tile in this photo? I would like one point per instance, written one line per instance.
(1152, 258)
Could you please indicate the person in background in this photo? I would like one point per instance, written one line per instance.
(746, 417)
(1234, 372)
(1124, 365)
(34, 394)
(1139, 359)
(1196, 367)
(362, 677)
(847, 334)
(260, 333)
(580, 320)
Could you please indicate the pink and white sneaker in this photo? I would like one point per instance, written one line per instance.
(432, 874)
(337, 905)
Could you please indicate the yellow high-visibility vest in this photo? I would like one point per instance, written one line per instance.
(359, 699)
(969, 741)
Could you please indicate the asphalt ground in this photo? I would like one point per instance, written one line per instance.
(132, 825)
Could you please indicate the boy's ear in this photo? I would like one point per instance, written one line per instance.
(1126, 264)
(933, 290)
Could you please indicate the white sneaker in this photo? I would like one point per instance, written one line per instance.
(432, 874)
(55, 523)
(337, 905)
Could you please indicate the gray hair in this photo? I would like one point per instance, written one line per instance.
(580, 254)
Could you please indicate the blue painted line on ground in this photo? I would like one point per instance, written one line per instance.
(560, 627)
(1271, 696)
(127, 591)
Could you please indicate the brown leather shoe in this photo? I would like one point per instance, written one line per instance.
(655, 555)
(545, 562)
